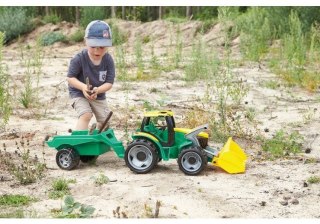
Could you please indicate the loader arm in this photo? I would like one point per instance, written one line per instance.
(192, 135)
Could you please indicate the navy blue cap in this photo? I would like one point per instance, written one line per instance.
(98, 34)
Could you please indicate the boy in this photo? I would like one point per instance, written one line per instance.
(96, 65)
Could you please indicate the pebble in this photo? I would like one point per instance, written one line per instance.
(294, 201)
(263, 203)
(284, 203)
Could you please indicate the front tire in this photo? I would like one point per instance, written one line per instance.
(67, 159)
(141, 156)
(192, 160)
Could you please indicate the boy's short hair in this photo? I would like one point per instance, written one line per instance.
(98, 34)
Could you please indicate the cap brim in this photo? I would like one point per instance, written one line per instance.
(99, 42)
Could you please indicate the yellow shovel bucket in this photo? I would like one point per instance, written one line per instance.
(231, 158)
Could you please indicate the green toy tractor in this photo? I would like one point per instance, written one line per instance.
(85, 146)
(158, 139)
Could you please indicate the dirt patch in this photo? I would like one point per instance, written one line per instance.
(268, 189)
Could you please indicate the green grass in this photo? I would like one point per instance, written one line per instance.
(60, 188)
(314, 180)
(283, 144)
(15, 200)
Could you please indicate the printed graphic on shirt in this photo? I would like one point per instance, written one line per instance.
(102, 76)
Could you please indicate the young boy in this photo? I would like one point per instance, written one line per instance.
(96, 65)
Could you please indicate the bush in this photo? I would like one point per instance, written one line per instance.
(77, 36)
(14, 22)
(51, 38)
(52, 18)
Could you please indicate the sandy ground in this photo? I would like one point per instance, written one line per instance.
(268, 189)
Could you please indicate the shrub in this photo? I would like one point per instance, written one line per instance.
(77, 36)
(52, 18)
(51, 38)
(14, 22)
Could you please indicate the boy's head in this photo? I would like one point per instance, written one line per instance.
(98, 34)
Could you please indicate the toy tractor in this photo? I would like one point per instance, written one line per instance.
(158, 139)
(85, 146)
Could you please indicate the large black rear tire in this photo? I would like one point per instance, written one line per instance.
(141, 156)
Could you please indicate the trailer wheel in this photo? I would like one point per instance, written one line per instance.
(141, 156)
(88, 159)
(67, 159)
(192, 160)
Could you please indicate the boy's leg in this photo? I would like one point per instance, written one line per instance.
(83, 109)
(100, 110)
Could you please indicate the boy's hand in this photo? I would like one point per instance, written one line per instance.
(94, 93)
(86, 92)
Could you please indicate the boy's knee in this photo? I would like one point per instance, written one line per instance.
(86, 116)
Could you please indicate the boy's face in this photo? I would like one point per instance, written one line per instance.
(96, 53)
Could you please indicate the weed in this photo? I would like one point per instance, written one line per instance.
(72, 209)
(101, 179)
(282, 144)
(138, 51)
(59, 188)
(13, 214)
(148, 211)
(118, 37)
(5, 99)
(314, 180)
(271, 84)
(250, 113)
(15, 200)
(20, 164)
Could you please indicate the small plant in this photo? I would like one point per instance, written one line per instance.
(72, 209)
(5, 99)
(60, 188)
(51, 38)
(21, 165)
(148, 211)
(282, 144)
(101, 179)
(314, 180)
(15, 200)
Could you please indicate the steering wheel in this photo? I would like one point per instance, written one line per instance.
(104, 125)
(162, 128)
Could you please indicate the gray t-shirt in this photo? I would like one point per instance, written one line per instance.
(82, 67)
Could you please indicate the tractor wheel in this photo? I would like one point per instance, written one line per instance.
(88, 159)
(192, 160)
(67, 159)
(141, 156)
